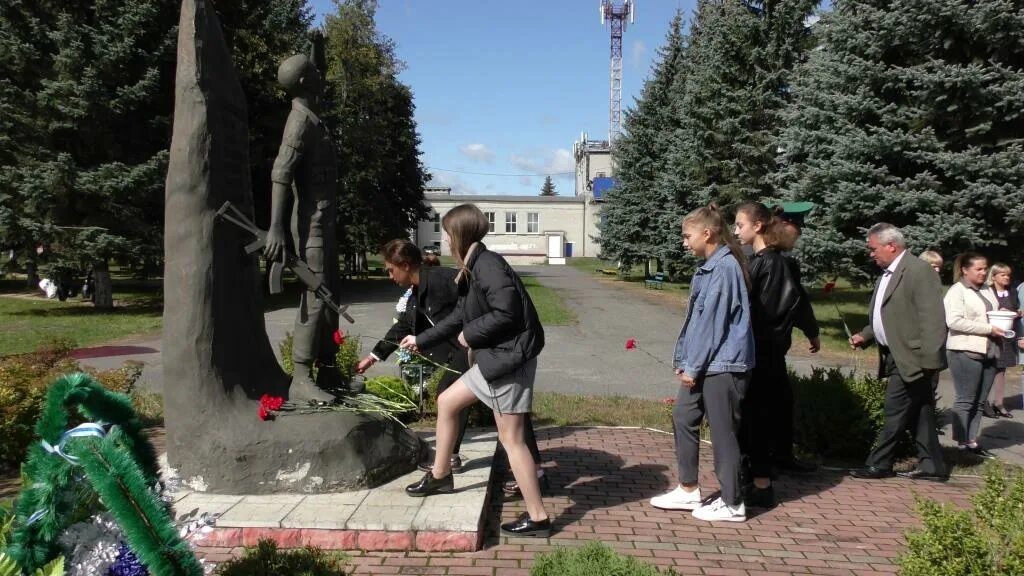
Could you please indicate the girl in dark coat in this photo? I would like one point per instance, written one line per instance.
(496, 320)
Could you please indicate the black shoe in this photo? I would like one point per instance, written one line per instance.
(918, 474)
(987, 411)
(526, 527)
(872, 473)
(1002, 412)
(760, 497)
(794, 466)
(979, 451)
(456, 465)
(512, 491)
(430, 485)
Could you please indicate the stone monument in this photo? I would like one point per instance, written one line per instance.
(217, 359)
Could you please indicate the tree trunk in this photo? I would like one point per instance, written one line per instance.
(102, 287)
(32, 275)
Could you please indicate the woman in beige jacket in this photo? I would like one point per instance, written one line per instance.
(972, 347)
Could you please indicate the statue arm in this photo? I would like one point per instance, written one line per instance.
(288, 158)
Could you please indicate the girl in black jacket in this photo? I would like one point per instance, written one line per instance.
(776, 301)
(496, 320)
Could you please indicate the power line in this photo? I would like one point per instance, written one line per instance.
(497, 174)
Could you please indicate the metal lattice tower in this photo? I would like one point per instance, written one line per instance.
(616, 15)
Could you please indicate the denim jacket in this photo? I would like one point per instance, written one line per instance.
(716, 335)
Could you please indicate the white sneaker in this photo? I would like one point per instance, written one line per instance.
(678, 499)
(719, 511)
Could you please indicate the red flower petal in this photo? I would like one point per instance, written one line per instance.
(264, 414)
(339, 337)
(829, 287)
(631, 344)
(275, 403)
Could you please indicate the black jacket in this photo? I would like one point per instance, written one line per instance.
(495, 314)
(432, 301)
(804, 319)
(774, 299)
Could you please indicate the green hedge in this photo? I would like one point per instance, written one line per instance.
(591, 559)
(984, 540)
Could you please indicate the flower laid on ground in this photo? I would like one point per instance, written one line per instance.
(829, 287)
(631, 344)
(269, 405)
(339, 337)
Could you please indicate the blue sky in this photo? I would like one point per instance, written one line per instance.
(507, 87)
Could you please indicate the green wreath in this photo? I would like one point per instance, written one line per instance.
(121, 467)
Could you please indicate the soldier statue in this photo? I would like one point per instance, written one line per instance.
(306, 175)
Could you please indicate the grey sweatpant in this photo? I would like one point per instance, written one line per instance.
(720, 396)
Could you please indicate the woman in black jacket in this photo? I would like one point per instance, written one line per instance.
(776, 303)
(497, 321)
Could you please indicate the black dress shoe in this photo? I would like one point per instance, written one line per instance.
(979, 451)
(794, 466)
(760, 497)
(456, 465)
(430, 485)
(872, 473)
(918, 474)
(512, 491)
(1002, 412)
(526, 527)
(987, 411)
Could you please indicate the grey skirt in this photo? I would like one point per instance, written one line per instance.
(509, 394)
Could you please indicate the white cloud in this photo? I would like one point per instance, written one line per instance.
(478, 153)
(544, 161)
(453, 181)
(637, 54)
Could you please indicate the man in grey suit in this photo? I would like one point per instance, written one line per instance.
(908, 322)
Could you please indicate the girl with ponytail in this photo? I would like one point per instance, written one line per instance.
(713, 358)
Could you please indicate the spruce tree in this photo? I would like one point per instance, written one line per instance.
(548, 189)
(634, 225)
(911, 112)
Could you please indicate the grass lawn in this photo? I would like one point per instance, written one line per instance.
(550, 308)
(553, 409)
(27, 322)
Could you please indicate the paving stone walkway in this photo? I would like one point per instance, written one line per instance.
(601, 479)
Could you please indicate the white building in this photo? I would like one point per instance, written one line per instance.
(535, 229)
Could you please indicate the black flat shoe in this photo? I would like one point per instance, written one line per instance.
(524, 527)
(872, 473)
(512, 491)
(760, 497)
(1002, 412)
(430, 485)
(979, 451)
(987, 411)
(918, 474)
(456, 465)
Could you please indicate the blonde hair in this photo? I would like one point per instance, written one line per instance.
(931, 257)
(465, 224)
(710, 218)
(997, 268)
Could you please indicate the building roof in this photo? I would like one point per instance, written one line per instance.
(474, 198)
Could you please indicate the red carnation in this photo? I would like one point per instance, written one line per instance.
(669, 401)
(264, 413)
(829, 287)
(339, 337)
(631, 344)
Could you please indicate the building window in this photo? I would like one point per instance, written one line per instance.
(490, 221)
(437, 222)
(510, 222)
(532, 222)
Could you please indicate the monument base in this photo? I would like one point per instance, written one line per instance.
(295, 453)
(381, 518)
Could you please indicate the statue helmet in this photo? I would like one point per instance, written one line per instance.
(293, 69)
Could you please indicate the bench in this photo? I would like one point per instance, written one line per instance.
(658, 281)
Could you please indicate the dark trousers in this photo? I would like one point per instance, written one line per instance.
(720, 396)
(766, 433)
(908, 405)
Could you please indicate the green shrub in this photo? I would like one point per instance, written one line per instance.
(267, 560)
(286, 353)
(591, 559)
(347, 357)
(986, 540)
(839, 414)
(390, 388)
(24, 380)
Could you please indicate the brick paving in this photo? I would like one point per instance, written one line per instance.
(601, 479)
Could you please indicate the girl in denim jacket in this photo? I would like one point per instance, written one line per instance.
(713, 358)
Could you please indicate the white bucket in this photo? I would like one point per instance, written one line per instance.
(1002, 319)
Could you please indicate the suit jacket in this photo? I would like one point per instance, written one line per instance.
(433, 300)
(914, 318)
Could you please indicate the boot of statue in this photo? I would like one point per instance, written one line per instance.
(303, 390)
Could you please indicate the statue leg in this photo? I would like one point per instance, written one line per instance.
(312, 330)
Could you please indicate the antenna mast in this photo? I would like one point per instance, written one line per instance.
(616, 15)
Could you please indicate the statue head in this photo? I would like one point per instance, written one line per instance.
(299, 76)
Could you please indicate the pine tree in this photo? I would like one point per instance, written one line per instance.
(382, 178)
(548, 189)
(638, 217)
(911, 112)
